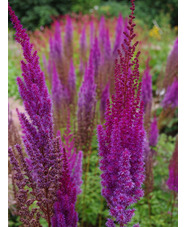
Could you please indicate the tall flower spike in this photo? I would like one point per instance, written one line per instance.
(68, 38)
(96, 57)
(153, 138)
(83, 44)
(86, 107)
(121, 139)
(171, 95)
(64, 209)
(102, 32)
(172, 65)
(74, 157)
(38, 138)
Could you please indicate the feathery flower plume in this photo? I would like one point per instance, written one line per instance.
(121, 139)
(96, 57)
(172, 65)
(68, 38)
(57, 98)
(74, 157)
(173, 170)
(83, 44)
(86, 107)
(41, 171)
(64, 209)
(102, 32)
(171, 95)
(153, 137)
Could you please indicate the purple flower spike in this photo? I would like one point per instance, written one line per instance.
(173, 171)
(171, 96)
(57, 90)
(86, 107)
(40, 172)
(96, 57)
(172, 65)
(83, 43)
(64, 209)
(121, 139)
(102, 31)
(153, 138)
(68, 38)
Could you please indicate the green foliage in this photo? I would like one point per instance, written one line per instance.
(84, 6)
(36, 13)
(91, 206)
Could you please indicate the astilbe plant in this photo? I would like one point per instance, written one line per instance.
(86, 108)
(38, 175)
(121, 138)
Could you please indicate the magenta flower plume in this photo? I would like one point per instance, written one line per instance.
(121, 139)
(64, 209)
(86, 106)
(42, 168)
(56, 45)
(57, 90)
(102, 31)
(68, 38)
(173, 171)
(172, 65)
(146, 92)
(171, 95)
(74, 157)
(96, 57)
(83, 43)
(154, 133)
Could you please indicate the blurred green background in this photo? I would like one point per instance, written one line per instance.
(37, 13)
